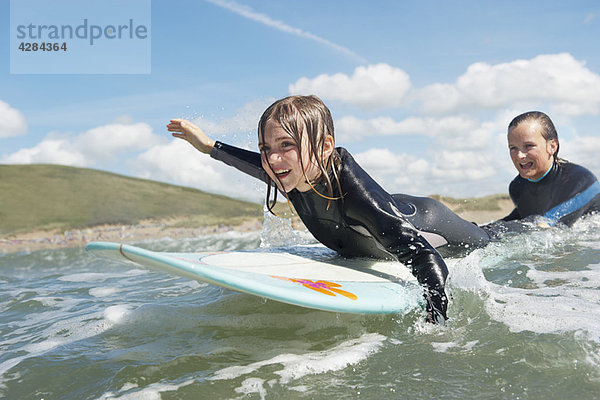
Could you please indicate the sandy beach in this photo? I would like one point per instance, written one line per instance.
(150, 229)
(167, 228)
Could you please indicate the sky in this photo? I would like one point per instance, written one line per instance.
(421, 92)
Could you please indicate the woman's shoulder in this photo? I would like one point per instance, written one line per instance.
(576, 170)
(343, 153)
(517, 182)
(343, 160)
(353, 178)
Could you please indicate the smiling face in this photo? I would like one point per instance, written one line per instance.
(531, 154)
(282, 159)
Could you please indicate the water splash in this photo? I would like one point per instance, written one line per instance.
(279, 232)
(295, 366)
(544, 282)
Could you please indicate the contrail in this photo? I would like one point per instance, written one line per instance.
(264, 19)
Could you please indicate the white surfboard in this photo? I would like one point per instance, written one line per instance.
(307, 276)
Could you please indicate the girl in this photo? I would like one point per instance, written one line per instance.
(339, 203)
(546, 185)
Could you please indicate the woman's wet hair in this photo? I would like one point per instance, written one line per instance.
(308, 115)
(548, 129)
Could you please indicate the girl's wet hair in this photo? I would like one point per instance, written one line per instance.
(308, 115)
(548, 129)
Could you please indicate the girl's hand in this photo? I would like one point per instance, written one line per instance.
(191, 133)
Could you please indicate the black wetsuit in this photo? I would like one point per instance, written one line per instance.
(567, 192)
(369, 222)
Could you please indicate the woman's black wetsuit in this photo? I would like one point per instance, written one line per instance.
(567, 192)
(369, 222)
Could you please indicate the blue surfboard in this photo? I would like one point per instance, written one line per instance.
(307, 276)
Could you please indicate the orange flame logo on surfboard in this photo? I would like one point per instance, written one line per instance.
(324, 287)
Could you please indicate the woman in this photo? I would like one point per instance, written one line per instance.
(547, 185)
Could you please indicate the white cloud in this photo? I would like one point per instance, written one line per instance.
(94, 147)
(373, 86)
(559, 80)
(463, 166)
(48, 151)
(383, 161)
(179, 163)
(153, 156)
(455, 145)
(12, 121)
(352, 128)
(105, 142)
(458, 173)
(582, 150)
(460, 131)
(396, 173)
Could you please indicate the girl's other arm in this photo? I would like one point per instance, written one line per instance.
(514, 215)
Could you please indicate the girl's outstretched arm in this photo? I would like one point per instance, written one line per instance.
(185, 130)
(244, 160)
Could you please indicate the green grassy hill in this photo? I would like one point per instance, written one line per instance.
(45, 197)
(59, 197)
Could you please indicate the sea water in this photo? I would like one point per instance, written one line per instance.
(524, 324)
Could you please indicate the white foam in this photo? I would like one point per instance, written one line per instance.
(469, 345)
(443, 347)
(296, 366)
(128, 386)
(58, 308)
(150, 392)
(101, 277)
(86, 277)
(143, 394)
(583, 279)
(42, 347)
(540, 310)
(546, 310)
(299, 388)
(252, 385)
(43, 332)
(116, 314)
(49, 301)
(59, 332)
(555, 300)
(103, 291)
